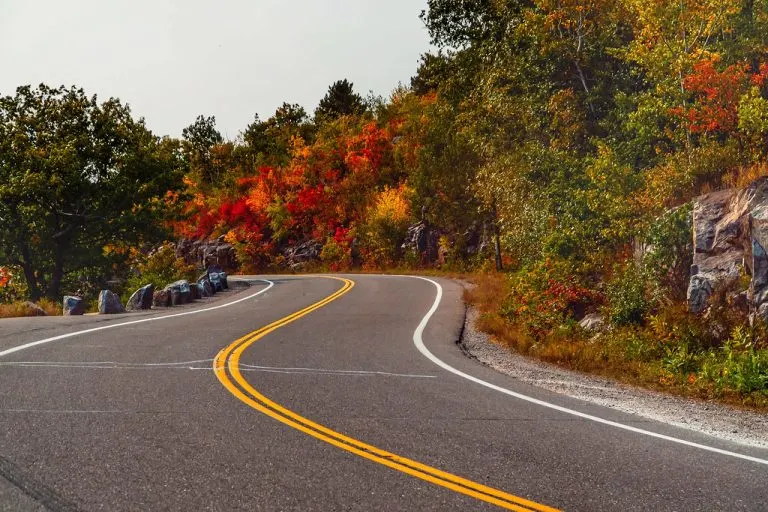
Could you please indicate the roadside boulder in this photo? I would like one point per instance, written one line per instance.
(161, 299)
(215, 281)
(180, 292)
(141, 298)
(109, 303)
(204, 283)
(194, 292)
(73, 306)
(33, 309)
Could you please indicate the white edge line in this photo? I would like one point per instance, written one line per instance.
(134, 322)
(419, 342)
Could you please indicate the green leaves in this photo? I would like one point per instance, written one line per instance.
(77, 175)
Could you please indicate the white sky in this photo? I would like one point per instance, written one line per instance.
(174, 59)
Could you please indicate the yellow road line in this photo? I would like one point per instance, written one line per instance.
(228, 360)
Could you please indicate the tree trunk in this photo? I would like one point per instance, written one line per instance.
(54, 288)
(497, 239)
(29, 277)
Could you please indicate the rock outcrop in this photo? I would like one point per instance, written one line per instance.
(141, 298)
(205, 253)
(73, 305)
(730, 233)
(422, 240)
(300, 255)
(109, 303)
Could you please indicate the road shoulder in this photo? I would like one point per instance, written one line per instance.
(728, 423)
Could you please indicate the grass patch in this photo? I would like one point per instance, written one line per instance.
(23, 309)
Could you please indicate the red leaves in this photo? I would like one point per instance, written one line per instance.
(759, 79)
(324, 190)
(716, 97)
(5, 277)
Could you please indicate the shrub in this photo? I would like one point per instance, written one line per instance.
(387, 222)
(669, 256)
(12, 285)
(738, 365)
(336, 252)
(160, 267)
(627, 295)
(541, 300)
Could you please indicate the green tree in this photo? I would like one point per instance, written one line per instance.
(269, 142)
(80, 181)
(340, 100)
(199, 139)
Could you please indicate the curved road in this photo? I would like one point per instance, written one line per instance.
(321, 393)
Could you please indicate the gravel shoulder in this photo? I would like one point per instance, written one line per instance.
(718, 420)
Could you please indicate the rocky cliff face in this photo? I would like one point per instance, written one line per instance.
(730, 233)
(205, 253)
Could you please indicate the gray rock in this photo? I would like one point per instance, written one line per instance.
(207, 252)
(195, 291)
(300, 255)
(161, 299)
(699, 291)
(34, 310)
(109, 303)
(592, 322)
(141, 298)
(215, 281)
(762, 312)
(422, 240)
(206, 288)
(180, 292)
(73, 306)
(726, 238)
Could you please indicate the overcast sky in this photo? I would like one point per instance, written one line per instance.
(175, 59)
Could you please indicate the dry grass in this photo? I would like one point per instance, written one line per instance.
(568, 348)
(487, 294)
(745, 176)
(22, 309)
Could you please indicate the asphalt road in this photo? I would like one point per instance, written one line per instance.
(333, 408)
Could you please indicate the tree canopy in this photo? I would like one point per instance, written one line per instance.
(80, 183)
(340, 100)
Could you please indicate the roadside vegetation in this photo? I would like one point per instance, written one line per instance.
(571, 135)
(672, 351)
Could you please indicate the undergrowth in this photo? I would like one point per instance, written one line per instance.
(23, 309)
(718, 357)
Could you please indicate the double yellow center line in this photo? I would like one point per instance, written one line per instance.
(227, 368)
